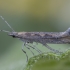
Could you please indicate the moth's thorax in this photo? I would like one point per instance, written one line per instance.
(26, 37)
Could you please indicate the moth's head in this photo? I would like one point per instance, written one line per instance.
(13, 34)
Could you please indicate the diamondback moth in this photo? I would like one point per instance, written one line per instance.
(40, 37)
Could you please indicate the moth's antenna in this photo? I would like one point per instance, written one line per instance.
(7, 23)
(4, 31)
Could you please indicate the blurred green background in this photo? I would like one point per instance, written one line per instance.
(30, 15)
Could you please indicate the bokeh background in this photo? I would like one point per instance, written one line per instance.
(30, 15)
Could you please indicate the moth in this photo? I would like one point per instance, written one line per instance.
(43, 38)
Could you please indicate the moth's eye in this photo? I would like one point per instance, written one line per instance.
(13, 36)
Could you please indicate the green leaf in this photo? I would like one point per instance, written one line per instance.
(49, 61)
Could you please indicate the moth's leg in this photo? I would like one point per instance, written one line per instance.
(56, 51)
(34, 48)
(29, 48)
(37, 48)
(24, 51)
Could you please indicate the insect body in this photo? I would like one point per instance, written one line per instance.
(40, 37)
(43, 37)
